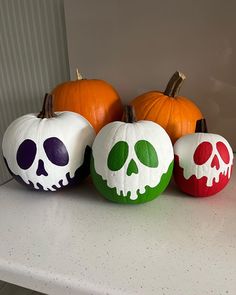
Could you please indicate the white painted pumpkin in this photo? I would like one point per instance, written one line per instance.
(48, 153)
(132, 162)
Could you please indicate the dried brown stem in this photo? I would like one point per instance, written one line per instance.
(201, 126)
(129, 114)
(174, 84)
(47, 110)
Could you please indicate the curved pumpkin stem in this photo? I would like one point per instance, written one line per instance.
(129, 114)
(78, 75)
(47, 110)
(174, 84)
(201, 126)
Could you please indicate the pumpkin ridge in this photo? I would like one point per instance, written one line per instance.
(180, 114)
(155, 102)
(137, 126)
(148, 155)
(170, 108)
(123, 176)
(147, 107)
(146, 97)
(112, 143)
(185, 101)
(144, 103)
(19, 125)
(91, 94)
(174, 116)
(160, 109)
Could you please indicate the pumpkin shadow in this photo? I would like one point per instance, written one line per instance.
(173, 191)
(85, 189)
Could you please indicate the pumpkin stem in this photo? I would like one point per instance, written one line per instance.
(78, 75)
(129, 114)
(201, 126)
(174, 84)
(47, 110)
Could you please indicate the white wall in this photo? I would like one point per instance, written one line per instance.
(137, 45)
(33, 57)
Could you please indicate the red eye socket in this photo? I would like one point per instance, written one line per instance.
(202, 153)
(223, 151)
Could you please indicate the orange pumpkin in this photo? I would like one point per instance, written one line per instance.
(176, 114)
(96, 100)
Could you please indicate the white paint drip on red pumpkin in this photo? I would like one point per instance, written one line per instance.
(185, 148)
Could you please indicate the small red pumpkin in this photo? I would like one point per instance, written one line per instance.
(96, 100)
(203, 162)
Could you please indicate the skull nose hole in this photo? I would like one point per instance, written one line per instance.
(41, 170)
(132, 168)
(215, 162)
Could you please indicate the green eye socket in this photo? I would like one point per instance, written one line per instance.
(118, 156)
(146, 153)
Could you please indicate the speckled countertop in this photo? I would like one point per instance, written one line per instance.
(75, 242)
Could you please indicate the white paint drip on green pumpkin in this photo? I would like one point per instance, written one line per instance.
(132, 133)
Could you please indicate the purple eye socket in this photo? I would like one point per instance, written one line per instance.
(56, 151)
(26, 154)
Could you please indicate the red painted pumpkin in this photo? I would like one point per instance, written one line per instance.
(96, 100)
(203, 162)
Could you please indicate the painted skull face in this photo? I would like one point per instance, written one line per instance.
(205, 160)
(145, 154)
(135, 159)
(45, 161)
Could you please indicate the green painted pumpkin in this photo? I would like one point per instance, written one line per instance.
(132, 162)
